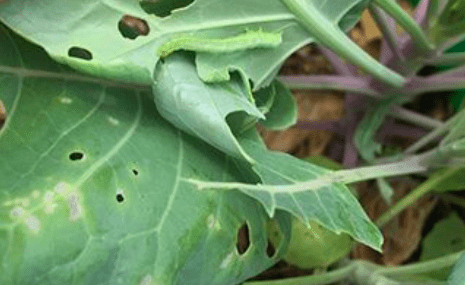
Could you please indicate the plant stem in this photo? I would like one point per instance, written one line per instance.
(421, 267)
(330, 35)
(368, 273)
(431, 136)
(343, 68)
(414, 195)
(415, 118)
(390, 35)
(413, 165)
(333, 82)
(447, 59)
(408, 23)
(327, 278)
(433, 83)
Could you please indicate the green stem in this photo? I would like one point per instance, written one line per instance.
(432, 135)
(364, 272)
(414, 165)
(408, 23)
(421, 267)
(329, 34)
(414, 195)
(327, 278)
(415, 118)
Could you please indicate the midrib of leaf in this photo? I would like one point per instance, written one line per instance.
(24, 73)
(293, 181)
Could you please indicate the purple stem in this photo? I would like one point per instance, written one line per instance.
(389, 31)
(350, 156)
(336, 62)
(401, 130)
(420, 85)
(421, 12)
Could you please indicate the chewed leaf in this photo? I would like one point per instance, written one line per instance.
(248, 40)
(92, 187)
(283, 113)
(200, 108)
(168, 25)
(332, 205)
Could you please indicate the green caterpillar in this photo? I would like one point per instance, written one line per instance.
(247, 40)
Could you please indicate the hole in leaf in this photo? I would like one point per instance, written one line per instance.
(163, 8)
(243, 240)
(270, 249)
(131, 27)
(76, 155)
(2, 114)
(80, 53)
(119, 198)
(135, 172)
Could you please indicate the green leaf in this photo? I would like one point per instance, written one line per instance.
(333, 206)
(446, 237)
(449, 179)
(93, 190)
(200, 108)
(364, 137)
(325, 162)
(448, 23)
(385, 189)
(283, 113)
(61, 25)
(457, 276)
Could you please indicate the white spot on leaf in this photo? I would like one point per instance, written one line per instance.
(35, 194)
(33, 224)
(113, 121)
(48, 197)
(75, 208)
(147, 280)
(25, 203)
(61, 188)
(66, 100)
(17, 212)
(211, 221)
(227, 261)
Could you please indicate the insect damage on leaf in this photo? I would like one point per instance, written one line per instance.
(131, 27)
(248, 40)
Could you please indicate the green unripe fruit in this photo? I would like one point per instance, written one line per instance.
(312, 247)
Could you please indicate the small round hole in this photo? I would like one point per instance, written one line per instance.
(135, 172)
(131, 27)
(270, 250)
(243, 239)
(80, 53)
(119, 198)
(76, 155)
